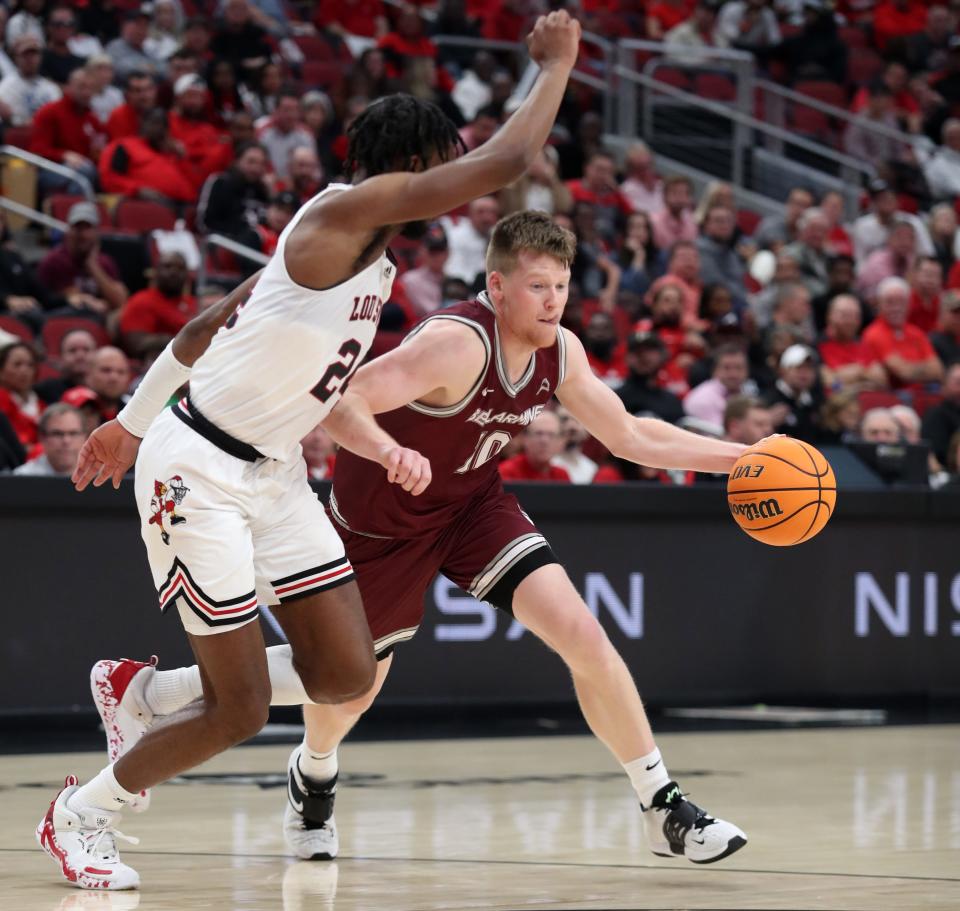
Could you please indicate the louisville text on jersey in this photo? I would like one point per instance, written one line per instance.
(367, 307)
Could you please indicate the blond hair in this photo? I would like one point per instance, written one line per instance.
(532, 232)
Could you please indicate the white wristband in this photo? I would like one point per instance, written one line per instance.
(165, 376)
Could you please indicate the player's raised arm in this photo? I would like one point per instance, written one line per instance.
(111, 449)
(645, 441)
(403, 196)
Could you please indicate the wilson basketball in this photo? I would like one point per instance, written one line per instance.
(782, 491)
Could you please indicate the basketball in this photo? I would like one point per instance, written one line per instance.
(782, 492)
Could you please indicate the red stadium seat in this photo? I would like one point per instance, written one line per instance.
(809, 121)
(853, 36)
(715, 87)
(747, 221)
(59, 204)
(924, 400)
(863, 65)
(138, 216)
(677, 78)
(47, 370)
(877, 399)
(827, 92)
(315, 47)
(12, 325)
(56, 327)
(324, 74)
(18, 136)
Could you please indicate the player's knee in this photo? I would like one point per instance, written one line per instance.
(342, 681)
(585, 644)
(240, 719)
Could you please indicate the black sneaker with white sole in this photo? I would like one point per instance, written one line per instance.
(678, 828)
(309, 828)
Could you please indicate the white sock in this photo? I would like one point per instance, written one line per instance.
(101, 793)
(647, 775)
(285, 681)
(167, 692)
(318, 767)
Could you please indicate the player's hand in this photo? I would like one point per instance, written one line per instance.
(108, 453)
(555, 39)
(407, 468)
(773, 436)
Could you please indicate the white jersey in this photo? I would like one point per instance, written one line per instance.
(278, 367)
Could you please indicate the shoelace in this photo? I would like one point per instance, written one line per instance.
(108, 850)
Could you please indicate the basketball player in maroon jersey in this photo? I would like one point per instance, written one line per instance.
(464, 382)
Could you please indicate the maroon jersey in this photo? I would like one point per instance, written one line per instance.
(461, 441)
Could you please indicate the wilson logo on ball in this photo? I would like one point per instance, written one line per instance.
(765, 509)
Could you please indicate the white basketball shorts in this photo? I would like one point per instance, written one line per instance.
(224, 535)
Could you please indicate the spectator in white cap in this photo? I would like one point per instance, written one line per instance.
(26, 21)
(24, 92)
(77, 269)
(207, 149)
(796, 399)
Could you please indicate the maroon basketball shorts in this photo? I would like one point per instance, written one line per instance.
(488, 551)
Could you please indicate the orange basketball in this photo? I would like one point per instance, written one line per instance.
(782, 491)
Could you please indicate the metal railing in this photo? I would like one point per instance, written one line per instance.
(34, 215)
(44, 164)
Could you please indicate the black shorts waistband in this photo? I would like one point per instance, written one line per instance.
(187, 412)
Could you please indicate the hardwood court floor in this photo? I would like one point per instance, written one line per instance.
(844, 819)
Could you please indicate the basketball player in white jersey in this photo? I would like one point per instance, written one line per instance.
(228, 517)
(465, 381)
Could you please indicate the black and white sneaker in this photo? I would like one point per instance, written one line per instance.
(308, 825)
(678, 828)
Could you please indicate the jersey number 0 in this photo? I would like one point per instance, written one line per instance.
(488, 446)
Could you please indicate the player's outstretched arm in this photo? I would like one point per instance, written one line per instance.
(111, 449)
(645, 441)
(399, 197)
(352, 426)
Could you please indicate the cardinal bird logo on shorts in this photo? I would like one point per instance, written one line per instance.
(167, 496)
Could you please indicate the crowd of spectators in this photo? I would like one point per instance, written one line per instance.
(229, 114)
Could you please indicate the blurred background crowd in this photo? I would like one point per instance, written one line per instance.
(181, 119)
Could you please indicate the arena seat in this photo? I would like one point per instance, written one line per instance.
(139, 216)
(18, 136)
(863, 65)
(56, 327)
(15, 327)
(827, 92)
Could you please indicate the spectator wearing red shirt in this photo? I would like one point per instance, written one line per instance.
(905, 106)
(926, 287)
(18, 402)
(152, 317)
(206, 149)
(847, 363)
(897, 19)
(366, 18)
(140, 92)
(541, 443)
(684, 345)
(599, 188)
(67, 131)
(407, 40)
(146, 166)
(838, 241)
(903, 349)
(89, 279)
(683, 271)
(305, 178)
(280, 211)
(505, 20)
(108, 380)
(605, 354)
(663, 15)
(675, 221)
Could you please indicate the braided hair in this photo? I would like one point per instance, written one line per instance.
(396, 129)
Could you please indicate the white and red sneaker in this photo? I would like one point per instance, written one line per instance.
(82, 843)
(117, 687)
